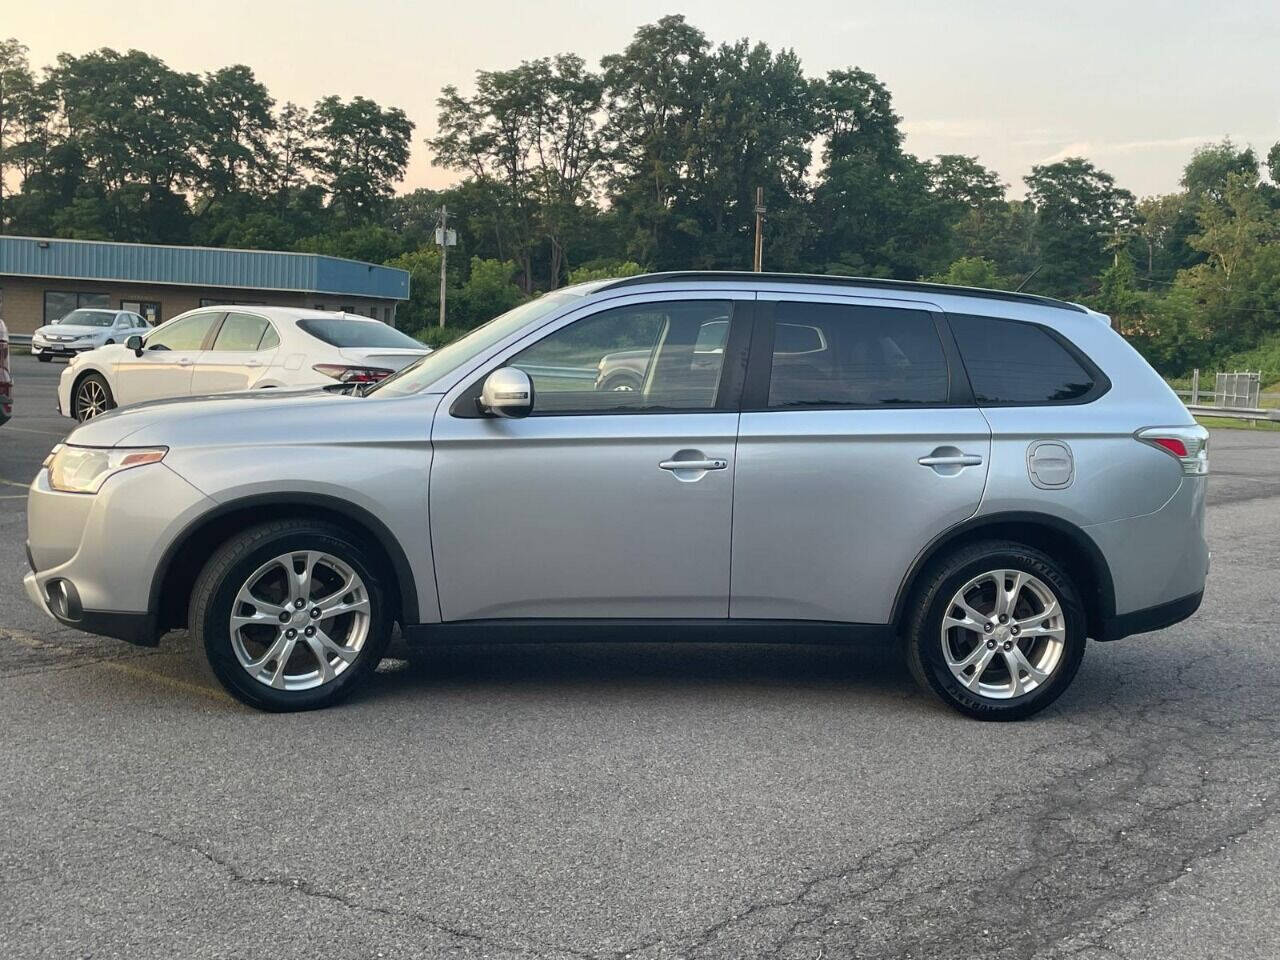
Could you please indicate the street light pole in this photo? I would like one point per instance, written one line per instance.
(442, 237)
(757, 263)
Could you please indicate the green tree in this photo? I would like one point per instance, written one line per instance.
(1079, 209)
(238, 129)
(874, 210)
(530, 133)
(361, 152)
(490, 290)
(17, 87)
(605, 270)
(656, 89)
(973, 272)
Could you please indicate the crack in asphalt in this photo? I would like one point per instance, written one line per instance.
(306, 888)
(1075, 860)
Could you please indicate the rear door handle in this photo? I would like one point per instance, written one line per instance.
(693, 464)
(184, 361)
(958, 460)
(253, 363)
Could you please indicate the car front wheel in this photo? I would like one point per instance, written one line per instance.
(291, 615)
(92, 398)
(997, 631)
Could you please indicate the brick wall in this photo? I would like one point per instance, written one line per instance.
(22, 299)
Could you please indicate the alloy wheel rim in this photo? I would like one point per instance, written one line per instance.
(300, 620)
(1003, 634)
(92, 400)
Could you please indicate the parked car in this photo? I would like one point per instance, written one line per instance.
(6, 378)
(224, 349)
(993, 477)
(83, 330)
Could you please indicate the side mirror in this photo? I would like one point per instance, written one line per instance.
(507, 392)
(134, 343)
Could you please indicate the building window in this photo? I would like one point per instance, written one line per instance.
(348, 309)
(224, 302)
(148, 309)
(58, 303)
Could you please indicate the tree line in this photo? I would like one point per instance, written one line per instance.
(649, 161)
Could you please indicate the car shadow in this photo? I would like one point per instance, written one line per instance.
(872, 667)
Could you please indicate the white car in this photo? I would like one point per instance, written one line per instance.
(225, 349)
(83, 330)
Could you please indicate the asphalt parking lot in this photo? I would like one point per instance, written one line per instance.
(646, 801)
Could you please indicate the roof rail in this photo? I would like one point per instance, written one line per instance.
(878, 283)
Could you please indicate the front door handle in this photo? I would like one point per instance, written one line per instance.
(184, 361)
(693, 464)
(956, 460)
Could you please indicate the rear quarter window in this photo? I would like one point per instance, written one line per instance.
(339, 332)
(1012, 362)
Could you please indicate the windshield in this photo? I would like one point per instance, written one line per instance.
(89, 318)
(433, 366)
(346, 332)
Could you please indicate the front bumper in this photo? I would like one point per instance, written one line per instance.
(60, 349)
(93, 559)
(139, 628)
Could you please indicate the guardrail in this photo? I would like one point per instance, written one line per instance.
(19, 339)
(1234, 413)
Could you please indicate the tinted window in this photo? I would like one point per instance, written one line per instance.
(1013, 362)
(187, 333)
(650, 356)
(240, 332)
(345, 332)
(833, 355)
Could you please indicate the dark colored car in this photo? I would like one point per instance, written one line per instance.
(6, 379)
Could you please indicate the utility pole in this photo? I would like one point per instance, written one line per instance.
(445, 238)
(757, 263)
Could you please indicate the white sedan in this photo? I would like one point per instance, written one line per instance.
(83, 330)
(224, 349)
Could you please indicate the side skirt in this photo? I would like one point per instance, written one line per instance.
(572, 630)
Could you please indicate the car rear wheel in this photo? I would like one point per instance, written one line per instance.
(291, 615)
(92, 398)
(997, 631)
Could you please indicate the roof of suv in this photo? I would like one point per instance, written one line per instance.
(863, 282)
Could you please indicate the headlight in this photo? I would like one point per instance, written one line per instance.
(85, 469)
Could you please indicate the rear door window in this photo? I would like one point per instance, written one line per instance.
(844, 355)
(240, 331)
(1013, 362)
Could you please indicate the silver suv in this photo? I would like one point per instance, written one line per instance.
(991, 477)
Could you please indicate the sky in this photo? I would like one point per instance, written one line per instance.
(1134, 87)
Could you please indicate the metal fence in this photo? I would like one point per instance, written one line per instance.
(1236, 395)
(1237, 390)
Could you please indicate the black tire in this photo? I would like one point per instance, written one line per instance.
(931, 600)
(44, 358)
(76, 396)
(621, 382)
(213, 598)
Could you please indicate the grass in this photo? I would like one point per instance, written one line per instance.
(1229, 424)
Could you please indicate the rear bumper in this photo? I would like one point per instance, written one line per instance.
(1152, 618)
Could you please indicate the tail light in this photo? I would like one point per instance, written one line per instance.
(1188, 445)
(345, 374)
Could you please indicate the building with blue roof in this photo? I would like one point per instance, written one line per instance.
(44, 278)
